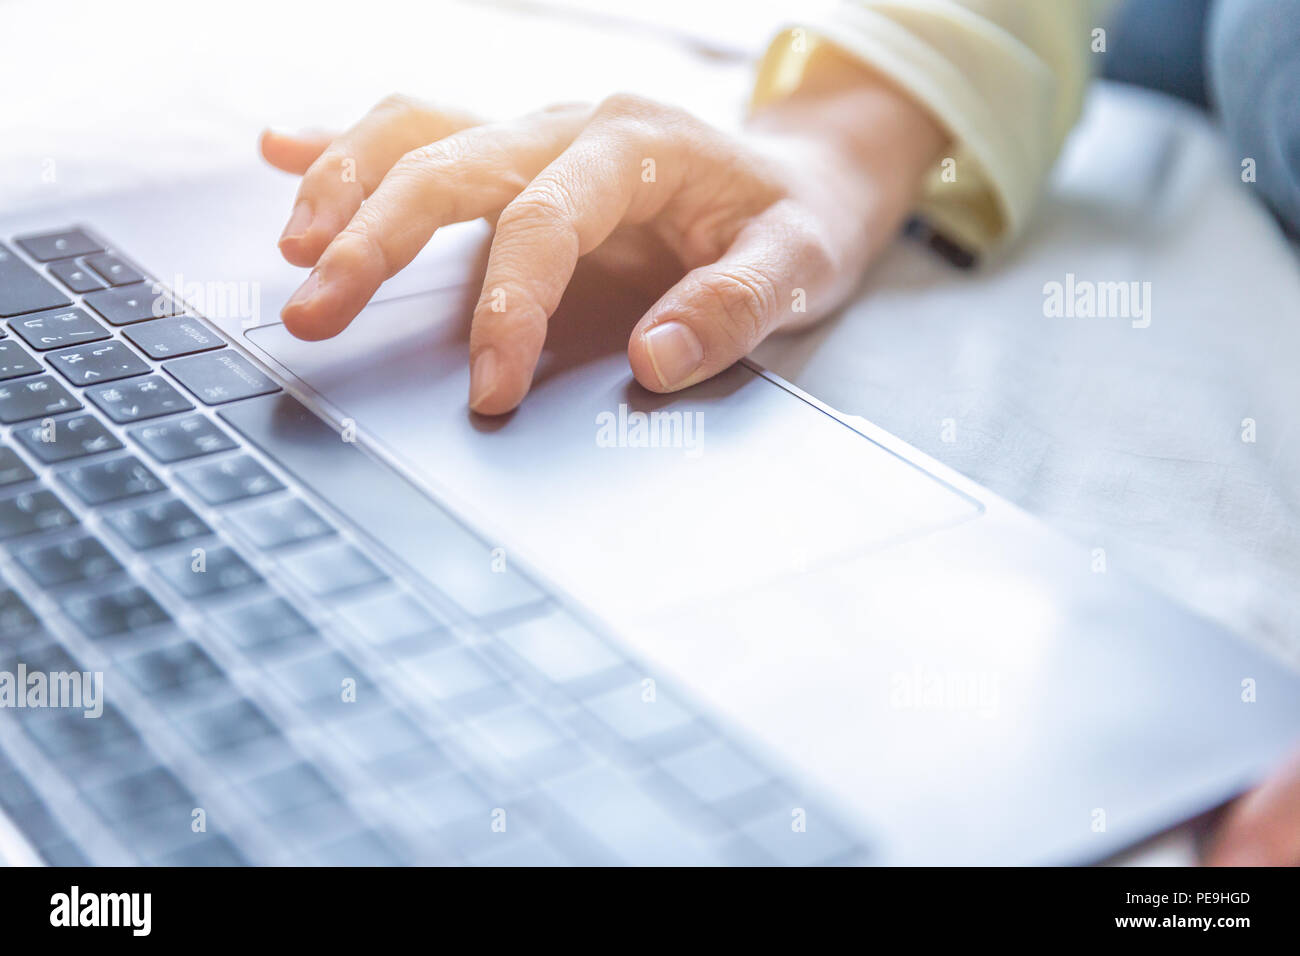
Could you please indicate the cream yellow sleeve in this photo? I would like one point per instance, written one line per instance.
(1005, 77)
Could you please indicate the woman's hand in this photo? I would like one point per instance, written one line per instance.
(1263, 827)
(765, 230)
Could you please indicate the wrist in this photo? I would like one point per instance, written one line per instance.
(872, 142)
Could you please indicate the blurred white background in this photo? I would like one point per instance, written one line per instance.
(117, 93)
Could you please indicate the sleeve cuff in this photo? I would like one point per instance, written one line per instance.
(1000, 125)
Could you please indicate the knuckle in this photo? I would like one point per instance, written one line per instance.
(479, 159)
(521, 322)
(451, 171)
(639, 117)
(570, 106)
(510, 179)
(626, 104)
(420, 160)
(399, 103)
(745, 299)
(423, 173)
(544, 203)
(805, 244)
(331, 170)
(356, 248)
(431, 161)
(814, 251)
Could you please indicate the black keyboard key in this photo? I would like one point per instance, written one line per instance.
(63, 854)
(182, 438)
(33, 512)
(12, 468)
(397, 622)
(58, 245)
(214, 851)
(34, 398)
(25, 809)
(68, 562)
(137, 793)
(322, 678)
(168, 668)
(23, 289)
(220, 377)
(161, 522)
(75, 277)
(212, 571)
(171, 338)
(14, 790)
(332, 569)
(51, 658)
(316, 825)
(58, 328)
(28, 637)
(69, 438)
(295, 786)
(15, 362)
(78, 746)
(274, 524)
(227, 726)
(268, 626)
(113, 480)
(138, 399)
(133, 303)
(377, 734)
(113, 269)
(69, 732)
(37, 824)
(230, 479)
(128, 609)
(97, 362)
(17, 621)
(156, 833)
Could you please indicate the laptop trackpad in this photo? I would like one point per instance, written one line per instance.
(628, 500)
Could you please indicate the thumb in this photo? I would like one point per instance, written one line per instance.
(717, 314)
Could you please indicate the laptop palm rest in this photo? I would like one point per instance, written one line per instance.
(630, 499)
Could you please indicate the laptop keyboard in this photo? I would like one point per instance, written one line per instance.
(278, 688)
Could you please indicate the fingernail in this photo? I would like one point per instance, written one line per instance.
(306, 292)
(298, 222)
(482, 377)
(675, 352)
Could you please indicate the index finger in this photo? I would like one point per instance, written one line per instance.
(569, 209)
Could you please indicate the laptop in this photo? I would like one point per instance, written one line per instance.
(291, 602)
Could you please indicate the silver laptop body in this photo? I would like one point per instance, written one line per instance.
(339, 619)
